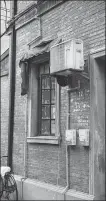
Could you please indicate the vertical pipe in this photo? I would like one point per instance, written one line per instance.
(12, 86)
(67, 148)
(25, 140)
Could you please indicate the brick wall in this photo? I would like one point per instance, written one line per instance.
(79, 19)
(80, 119)
(85, 20)
(21, 5)
(23, 37)
(4, 106)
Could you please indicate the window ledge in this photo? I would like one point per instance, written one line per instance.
(44, 139)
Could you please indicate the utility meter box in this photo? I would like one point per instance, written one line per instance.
(71, 137)
(84, 137)
(66, 56)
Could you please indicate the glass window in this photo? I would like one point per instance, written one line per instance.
(47, 105)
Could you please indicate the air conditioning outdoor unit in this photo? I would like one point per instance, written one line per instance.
(66, 57)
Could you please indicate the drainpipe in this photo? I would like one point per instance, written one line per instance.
(67, 173)
(67, 149)
(25, 140)
(25, 146)
(12, 86)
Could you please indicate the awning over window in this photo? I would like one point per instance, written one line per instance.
(41, 48)
(34, 52)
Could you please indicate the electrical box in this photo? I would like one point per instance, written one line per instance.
(84, 137)
(66, 56)
(71, 137)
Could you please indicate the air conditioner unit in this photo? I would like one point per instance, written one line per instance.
(66, 57)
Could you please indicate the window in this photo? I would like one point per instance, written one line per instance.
(43, 106)
(47, 101)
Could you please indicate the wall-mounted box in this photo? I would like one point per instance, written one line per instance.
(84, 137)
(71, 137)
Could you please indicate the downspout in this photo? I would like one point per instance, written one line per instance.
(12, 86)
(67, 148)
(25, 139)
(67, 174)
(25, 149)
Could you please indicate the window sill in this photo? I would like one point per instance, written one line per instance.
(44, 139)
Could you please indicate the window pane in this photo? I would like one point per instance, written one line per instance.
(42, 69)
(53, 96)
(47, 102)
(45, 127)
(46, 96)
(52, 82)
(52, 111)
(45, 112)
(53, 127)
(47, 68)
(45, 82)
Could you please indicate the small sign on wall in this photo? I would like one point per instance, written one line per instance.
(71, 137)
(84, 137)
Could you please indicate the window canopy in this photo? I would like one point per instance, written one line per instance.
(41, 48)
